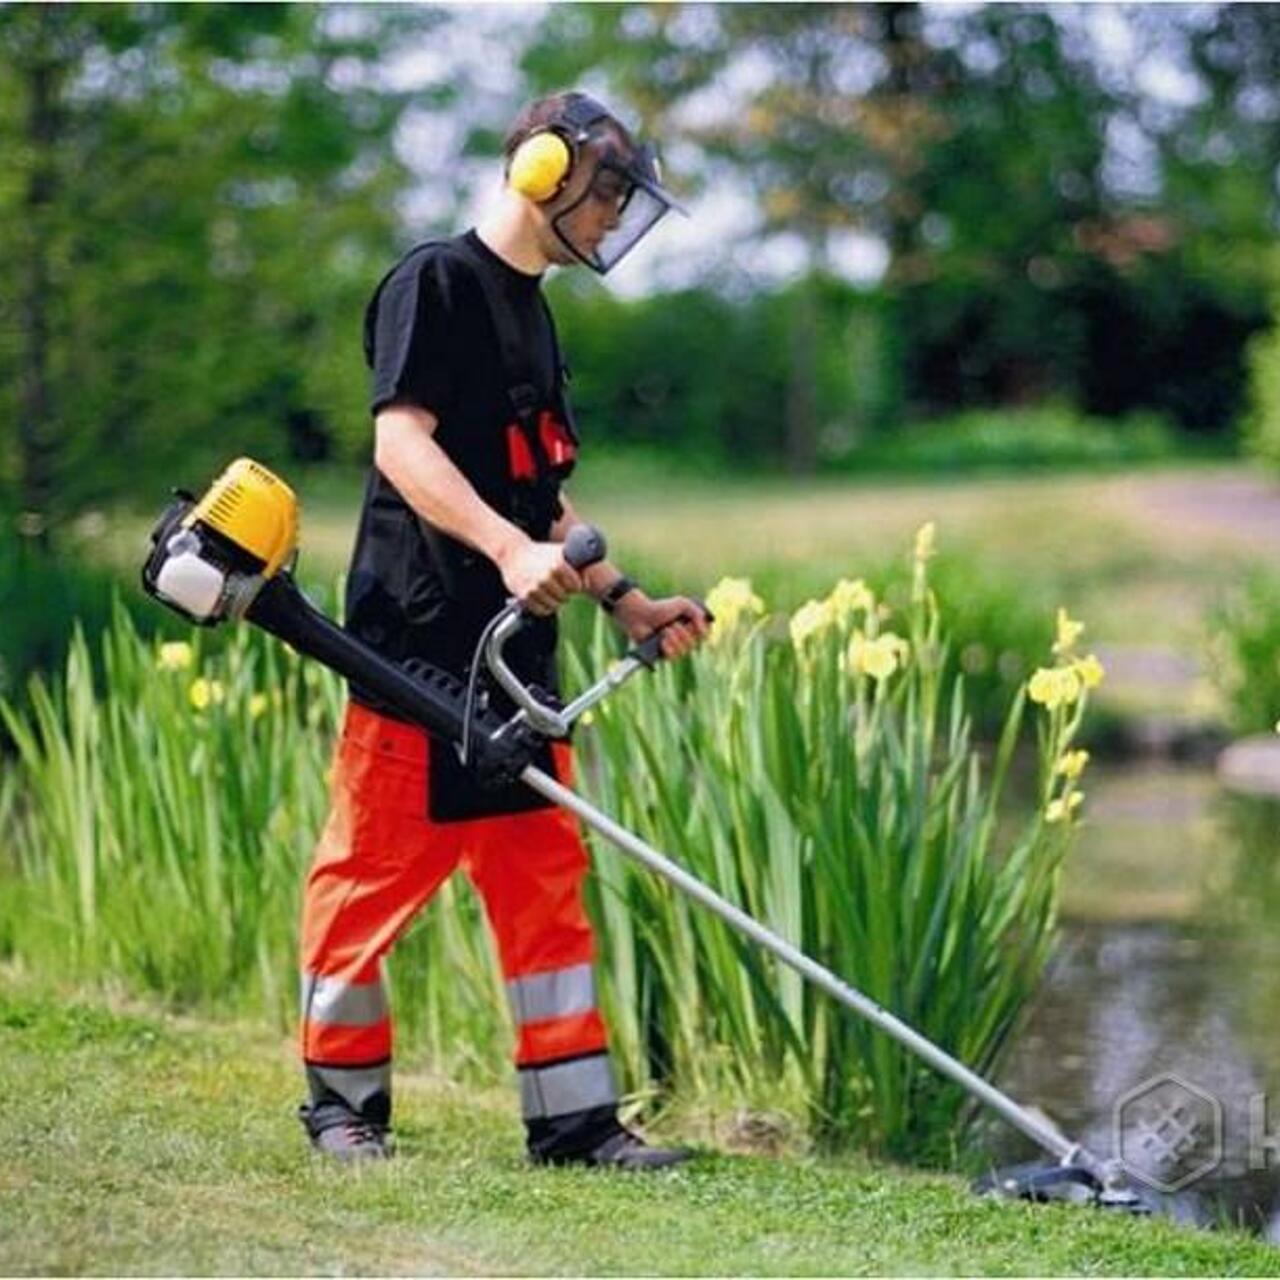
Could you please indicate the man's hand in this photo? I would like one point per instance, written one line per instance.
(681, 621)
(538, 575)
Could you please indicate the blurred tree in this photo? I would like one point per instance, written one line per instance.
(862, 118)
(1055, 223)
(1215, 144)
(792, 142)
(1262, 424)
(195, 203)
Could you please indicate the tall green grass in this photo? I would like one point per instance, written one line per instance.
(844, 805)
(1241, 643)
(156, 825)
(160, 822)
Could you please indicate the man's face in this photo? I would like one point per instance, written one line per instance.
(588, 219)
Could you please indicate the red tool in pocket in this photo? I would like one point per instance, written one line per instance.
(520, 463)
(557, 443)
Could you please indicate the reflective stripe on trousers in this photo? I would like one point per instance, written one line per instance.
(552, 994)
(351, 1004)
(344, 1023)
(561, 1041)
(563, 1087)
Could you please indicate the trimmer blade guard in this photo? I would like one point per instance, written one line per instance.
(1042, 1183)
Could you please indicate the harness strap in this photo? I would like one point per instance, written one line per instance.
(520, 389)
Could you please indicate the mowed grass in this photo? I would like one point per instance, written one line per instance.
(136, 1144)
(1121, 549)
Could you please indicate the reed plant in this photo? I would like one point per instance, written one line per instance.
(157, 826)
(156, 823)
(818, 771)
(1242, 638)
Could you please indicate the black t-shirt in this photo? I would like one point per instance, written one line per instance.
(412, 591)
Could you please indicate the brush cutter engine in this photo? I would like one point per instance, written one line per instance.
(211, 558)
(230, 556)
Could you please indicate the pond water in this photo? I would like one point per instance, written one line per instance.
(1169, 971)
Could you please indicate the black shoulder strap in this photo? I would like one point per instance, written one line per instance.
(511, 350)
(562, 369)
(562, 374)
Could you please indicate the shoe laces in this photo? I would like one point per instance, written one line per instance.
(365, 1131)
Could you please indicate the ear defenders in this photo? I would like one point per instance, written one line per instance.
(543, 163)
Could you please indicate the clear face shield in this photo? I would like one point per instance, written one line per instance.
(621, 203)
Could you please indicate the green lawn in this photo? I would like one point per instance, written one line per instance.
(140, 1144)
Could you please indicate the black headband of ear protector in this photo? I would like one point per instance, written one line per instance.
(580, 111)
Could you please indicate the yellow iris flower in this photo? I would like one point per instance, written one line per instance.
(1054, 687)
(926, 541)
(204, 693)
(811, 619)
(1061, 809)
(878, 658)
(1069, 631)
(731, 600)
(1072, 764)
(1090, 671)
(849, 596)
(176, 655)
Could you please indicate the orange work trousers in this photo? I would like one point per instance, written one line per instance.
(379, 860)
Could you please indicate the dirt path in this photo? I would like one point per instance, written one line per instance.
(1235, 505)
(1233, 511)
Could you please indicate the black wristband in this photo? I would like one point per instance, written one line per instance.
(623, 586)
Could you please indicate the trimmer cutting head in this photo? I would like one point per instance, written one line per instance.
(1042, 1182)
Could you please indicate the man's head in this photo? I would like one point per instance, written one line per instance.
(596, 189)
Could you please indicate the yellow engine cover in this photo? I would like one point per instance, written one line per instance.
(255, 509)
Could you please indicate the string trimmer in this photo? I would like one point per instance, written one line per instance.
(230, 556)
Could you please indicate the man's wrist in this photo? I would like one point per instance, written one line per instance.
(508, 541)
(620, 587)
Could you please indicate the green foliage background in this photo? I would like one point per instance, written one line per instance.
(194, 206)
(198, 200)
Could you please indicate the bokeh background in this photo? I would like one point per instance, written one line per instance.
(926, 241)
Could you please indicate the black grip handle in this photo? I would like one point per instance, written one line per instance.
(649, 650)
(584, 546)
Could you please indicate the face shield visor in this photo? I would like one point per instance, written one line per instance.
(622, 201)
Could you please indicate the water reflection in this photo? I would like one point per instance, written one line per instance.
(1168, 965)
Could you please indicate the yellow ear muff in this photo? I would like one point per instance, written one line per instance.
(539, 166)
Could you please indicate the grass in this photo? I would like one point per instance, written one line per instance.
(141, 1145)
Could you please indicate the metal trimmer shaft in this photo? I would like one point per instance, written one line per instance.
(1020, 1117)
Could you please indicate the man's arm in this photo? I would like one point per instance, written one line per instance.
(424, 475)
(680, 619)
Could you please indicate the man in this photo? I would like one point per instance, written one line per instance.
(462, 510)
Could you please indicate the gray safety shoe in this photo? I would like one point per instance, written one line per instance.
(622, 1150)
(347, 1138)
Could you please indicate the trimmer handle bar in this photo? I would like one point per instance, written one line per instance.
(584, 546)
